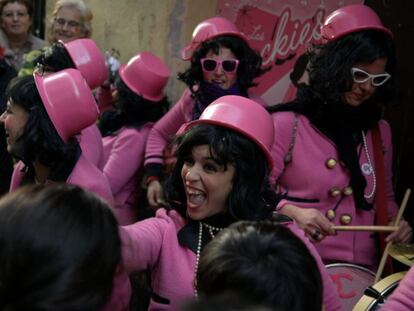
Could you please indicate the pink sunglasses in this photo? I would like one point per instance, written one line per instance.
(228, 65)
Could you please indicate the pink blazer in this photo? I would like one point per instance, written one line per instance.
(123, 164)
(84, 174)
(153, 244)
(309, 181)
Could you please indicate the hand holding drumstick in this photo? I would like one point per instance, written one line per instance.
(400, 228)
(397, 224)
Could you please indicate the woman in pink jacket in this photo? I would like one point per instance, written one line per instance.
(44, 114)
(139, 102)
(84, 55)
(323, 150)
(220, 177)
(222, 63)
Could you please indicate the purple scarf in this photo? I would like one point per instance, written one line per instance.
(208, 93)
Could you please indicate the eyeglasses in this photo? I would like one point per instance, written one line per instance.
(210, 64)
(19, 14)
(62, 22)
(361, 76)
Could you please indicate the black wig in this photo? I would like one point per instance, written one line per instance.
(250, 66)
(54, 58)
(59, 249)
(132, 110)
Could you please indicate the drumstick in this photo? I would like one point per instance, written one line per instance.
(396, 223)
(366, 228)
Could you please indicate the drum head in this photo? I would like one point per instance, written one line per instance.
(385, 287)
(350, 281)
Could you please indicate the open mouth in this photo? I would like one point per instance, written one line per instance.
(218, 82)
(195, 197)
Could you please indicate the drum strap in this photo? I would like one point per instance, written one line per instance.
(381, 193)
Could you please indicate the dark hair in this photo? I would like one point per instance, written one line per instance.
(330, 64)
(40, 140)
(299, 68)
(27, 3)
(251, 197)
(59, 249)
(249, 67)
(55, 58)
(132, 110)
(263, 261)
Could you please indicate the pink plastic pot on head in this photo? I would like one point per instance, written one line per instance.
(208, 29)
(68, 101)
(244, 116)
(349, 19)
(89, 60)
(146, 75)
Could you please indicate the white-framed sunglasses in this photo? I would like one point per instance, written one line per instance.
(361, 76)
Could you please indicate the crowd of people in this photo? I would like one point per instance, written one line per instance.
(227, 203)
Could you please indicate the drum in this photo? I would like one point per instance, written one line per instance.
(350, 281)
(375, 295)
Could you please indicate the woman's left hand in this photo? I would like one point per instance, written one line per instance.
(402, 235)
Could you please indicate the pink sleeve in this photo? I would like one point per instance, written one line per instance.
(125, 157)
(330, 296)
(387, 147)
(88, 176)
(141, 243)
(90, 141)
(403, 297)
(164, 130)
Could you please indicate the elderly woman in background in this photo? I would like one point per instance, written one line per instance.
(71, 20)
(15, 22)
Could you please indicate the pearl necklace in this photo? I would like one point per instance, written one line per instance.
(200, 238)
(374, 177)
(211, 230)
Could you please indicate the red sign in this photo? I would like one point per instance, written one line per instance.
(281, 31)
